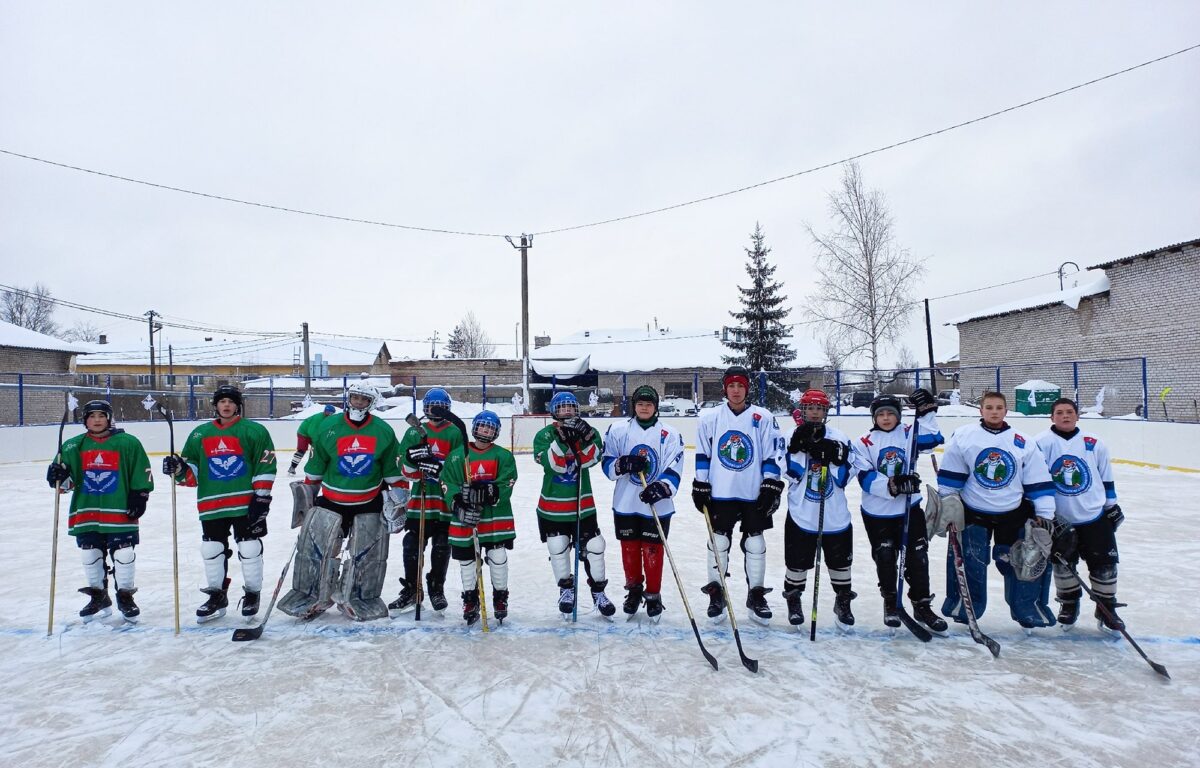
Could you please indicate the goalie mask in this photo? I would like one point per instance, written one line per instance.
(564, 406)
(485, 427)
(363, 390)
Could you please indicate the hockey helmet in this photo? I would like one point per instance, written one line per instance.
(563, 406)
(436, 399)
(485, 427)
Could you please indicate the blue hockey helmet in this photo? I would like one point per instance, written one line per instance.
(330, 408)
(436, 397)
(561, 403)
(485, 427)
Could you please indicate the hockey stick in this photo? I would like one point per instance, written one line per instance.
(578, 530)
(166, 414)
(253, 633)
(420, 550)
(747, 662)
(1159, 668)
(960, 575)
(445, 413)
(821, 480)
(662, 536)
(57, 496)
(908, 621)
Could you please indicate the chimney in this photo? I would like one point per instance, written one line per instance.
(103, 338)
(586, 334)
(541, 341)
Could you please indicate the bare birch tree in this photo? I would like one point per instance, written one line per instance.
(32, 309)
(864, 291)
(82, 330)
(469, 339)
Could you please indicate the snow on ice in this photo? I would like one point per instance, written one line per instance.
(538, 691)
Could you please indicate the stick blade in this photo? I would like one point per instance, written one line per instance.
(242, 634)
(919, 632)
(992, 646)
(1159, 668)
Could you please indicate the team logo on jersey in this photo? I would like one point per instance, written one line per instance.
(225, 459)
(651, 458)
(483, 470)
(994, 467)
(891, 461)
(356, 455)
(1089, 443)
(100, 471)
(735, 450)
(815, 487)
(1071, 475)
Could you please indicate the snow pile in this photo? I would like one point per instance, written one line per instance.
(1037, 385)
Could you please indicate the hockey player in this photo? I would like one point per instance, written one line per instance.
(354, 456)
(481, 504)
(230, 461)
(565, 449)
(739, 449)
(818, 463)
(304, 434)
(887, 475)
(110, 475)
(639, 446)
(998, 474)
(421, 458)
(1087, 514)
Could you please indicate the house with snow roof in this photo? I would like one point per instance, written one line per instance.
(29, 360)
(1118, 312)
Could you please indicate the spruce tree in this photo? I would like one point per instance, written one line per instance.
(759, 338)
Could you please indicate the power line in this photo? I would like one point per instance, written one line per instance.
(695, 201)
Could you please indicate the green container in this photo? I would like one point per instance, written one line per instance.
(1036, 399)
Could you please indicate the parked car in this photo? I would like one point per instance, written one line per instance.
(667, 409)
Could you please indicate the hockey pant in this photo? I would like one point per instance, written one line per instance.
(497, 562)
(592, 554)
(1028, 601)
(363, 571)
(315, 565)
(439, 555)
(885, 534)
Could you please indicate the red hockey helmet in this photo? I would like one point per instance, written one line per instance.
(815, 397)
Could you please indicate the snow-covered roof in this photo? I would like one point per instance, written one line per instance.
(560, 367)
(236, 351)
(1176, 247)
(1093, 284)
(638, 349)
(23, 338)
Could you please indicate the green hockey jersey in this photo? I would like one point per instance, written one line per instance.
(103, 472)
(353, 461)
(561, 471)
(227, 465)
(444, 438)
(492, 464)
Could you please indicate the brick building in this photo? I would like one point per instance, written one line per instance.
(1130, 307)
(28, 360)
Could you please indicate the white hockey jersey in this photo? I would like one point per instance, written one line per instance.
(806, 488)
(882, 455)
(993, 471)
(662, 445)
(735, 451)
(1081, 472)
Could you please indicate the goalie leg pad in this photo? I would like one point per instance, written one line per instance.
(364, 571)
(754, 551)
(1027, 600)
(976, 554)
(250, 553)
(316, 559)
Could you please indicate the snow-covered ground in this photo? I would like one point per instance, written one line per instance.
(541, 692)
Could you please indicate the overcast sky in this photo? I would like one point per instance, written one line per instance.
(504, 118)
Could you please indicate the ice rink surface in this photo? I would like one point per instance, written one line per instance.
(538, 691)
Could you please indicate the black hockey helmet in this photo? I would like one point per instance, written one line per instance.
(886, 403)
(98, 406)
(227, 391)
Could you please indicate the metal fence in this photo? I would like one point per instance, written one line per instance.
(1122, 387)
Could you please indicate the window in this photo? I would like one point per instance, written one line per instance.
(712, 390)
(88, 379)
(196, 379)
(170, 380)
(680, 389)
(144, 380)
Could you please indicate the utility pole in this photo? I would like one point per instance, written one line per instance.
(307, 364)
(150, 315)
(526, 244)
(171, 364)
(433, 346)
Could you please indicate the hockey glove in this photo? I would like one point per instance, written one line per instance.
(482, 493)
(1066, 542)
(828, 451)
(468, 514)
(905, 485)
(768, 495)
(395, 511)
(701, 494)
(805, 437)
(923, 401)
(631, 465)
(1115, 516)
(655, 492)
(581, 431)
(57, 473)
(174, 466)
(135, 504)
(418, 453)
(256, 515)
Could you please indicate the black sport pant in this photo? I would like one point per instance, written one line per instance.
(884, 534)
